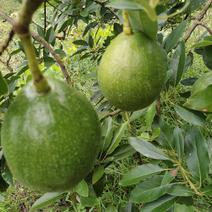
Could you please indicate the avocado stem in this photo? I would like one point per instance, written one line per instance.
(21, 27)
(126, 23)
(39, 80)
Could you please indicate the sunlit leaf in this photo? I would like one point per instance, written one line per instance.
(117, 138)
(147, 149)
(139, 173)
(45, 200)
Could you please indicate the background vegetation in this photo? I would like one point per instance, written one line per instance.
(80, 40)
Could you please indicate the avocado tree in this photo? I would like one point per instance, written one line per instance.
(143, 63)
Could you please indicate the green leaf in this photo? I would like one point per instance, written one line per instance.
(188, 61)
(168, 177)
(207, 56)
(140, 21)
(201, 94)
(122, 152)
(98, 174)
(90, 41)
(207, 41)
(207, 190)
(82, 189)
(45, 200)
(177, 64)
(178, 139)
(209, 142)
(137, 114)
(150, 115)
(189, 117)
(183, 208)
(80, 42)
(107, 133)
(117, 138)
(147, 149)
(135, 5)
(166, 135)
(159, 205)
(139, 173)
(180, 190)
(91, 200)
(111, 208)
(174, 37)
(149, 190)
(129, 208)
(195, 4)
(2, 198)
(3, 85)
(197, 157)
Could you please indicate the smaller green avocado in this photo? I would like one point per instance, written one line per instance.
(132, 71)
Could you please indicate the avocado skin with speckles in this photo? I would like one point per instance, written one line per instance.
(132, 71)
(50, 141)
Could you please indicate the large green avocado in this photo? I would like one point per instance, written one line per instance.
(50, 141)
(132, 71)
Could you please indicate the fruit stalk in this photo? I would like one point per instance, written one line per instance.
(22, 28)
(126, 23)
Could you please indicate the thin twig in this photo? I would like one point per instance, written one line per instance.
(113, 113)
(46, 45)
(206, 27)
(7, 42)
(197, 20)
(54, 54)
(6, 65)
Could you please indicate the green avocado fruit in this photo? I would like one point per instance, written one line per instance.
(50, 141)
(132, 71)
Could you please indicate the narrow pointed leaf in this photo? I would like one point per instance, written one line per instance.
(174, 37)
(189, 117)
(3, 85)
(140, 21)
(98, 174)
(149, 190)
(135, 5)
(183, 208)
(167, 178)
(139, 173)
(180, 190)
(177, 64)
(178, 139)
(107, 133)
(201, 94)
(82, 188)
(197, 156)
(161, 204)
(45, 200)
(150, 115)
(117, 138)
(147, 149)
(207, 190)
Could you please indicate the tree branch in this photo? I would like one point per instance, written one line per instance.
(7, 42)
(113, 113)
(6, 64)
(46, 45)
(197, 20)
(206, 27)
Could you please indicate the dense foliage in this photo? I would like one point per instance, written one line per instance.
(154, 159)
